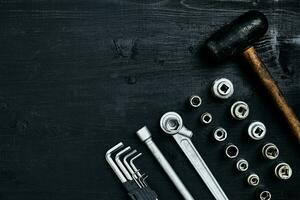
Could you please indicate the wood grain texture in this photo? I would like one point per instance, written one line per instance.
(79, 76)
(267, 81)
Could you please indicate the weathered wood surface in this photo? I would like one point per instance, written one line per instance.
(79, 76)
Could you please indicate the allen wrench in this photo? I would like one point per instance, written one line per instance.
(112, 164)
(134, 176)
(120, 164)
(135, 169)
(133, 186)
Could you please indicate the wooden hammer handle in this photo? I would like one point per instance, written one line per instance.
(276, 94)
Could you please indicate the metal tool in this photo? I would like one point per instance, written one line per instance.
(113, 164)
(242, 165)
(206, 118)
(130, 169)
(195, 101)
(239, 110)
(257, 130)
(120, 164)
(136, 187)
(238, 37)
(253, 180)
(231, 151)
(145, 136)
(270, 151)
(171, 123)
(222, 88)
(135, 169)
(220, 134)
(265, 195)
(283, 171)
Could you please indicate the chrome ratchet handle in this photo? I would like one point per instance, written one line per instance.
(200, 166)
(172, 124)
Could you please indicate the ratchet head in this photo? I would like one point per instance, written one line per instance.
(171, 123)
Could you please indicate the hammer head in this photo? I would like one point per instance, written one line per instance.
(237, 36)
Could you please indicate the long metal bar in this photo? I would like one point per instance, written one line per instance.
(145, 136)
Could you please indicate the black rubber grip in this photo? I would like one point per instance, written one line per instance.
(137, 193)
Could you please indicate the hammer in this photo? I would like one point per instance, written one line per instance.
(237, 37)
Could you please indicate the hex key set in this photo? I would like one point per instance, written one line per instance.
(234, 38)
(129, 175)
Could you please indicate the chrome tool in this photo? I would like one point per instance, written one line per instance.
(135, 185)
(145, 136)
(171, 123)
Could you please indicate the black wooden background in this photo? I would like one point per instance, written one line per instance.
(79, 76)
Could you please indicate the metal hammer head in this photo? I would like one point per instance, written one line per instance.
(237, 36)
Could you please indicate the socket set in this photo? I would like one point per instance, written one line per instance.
(171, 123)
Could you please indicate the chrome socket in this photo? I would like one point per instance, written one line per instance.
(239, 110)
(242, 165)
(206, 118)
(222, 88)
(231, 151)
(270, 151)
(257, 130)
(265, 195)
(195, 101)
(220, 134)
(283, 171)
(253, 180)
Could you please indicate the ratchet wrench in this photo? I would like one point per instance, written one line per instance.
(171, 123)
